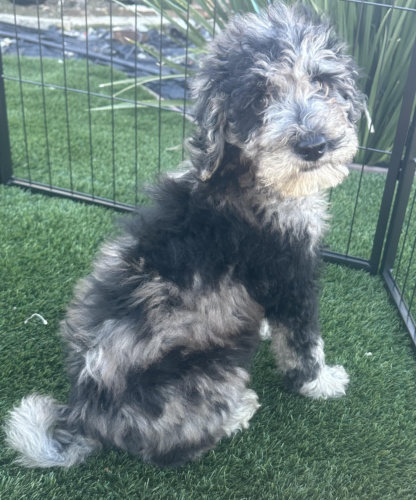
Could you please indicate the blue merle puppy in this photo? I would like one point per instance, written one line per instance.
(160, 336)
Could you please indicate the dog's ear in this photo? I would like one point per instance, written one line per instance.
(214, 122)
(347, 86)
(208, 143)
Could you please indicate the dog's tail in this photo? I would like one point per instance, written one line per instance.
(37, 430)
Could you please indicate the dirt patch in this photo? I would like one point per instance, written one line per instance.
(73, 13)
(74, 8)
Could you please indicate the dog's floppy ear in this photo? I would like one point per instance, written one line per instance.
(208, 143)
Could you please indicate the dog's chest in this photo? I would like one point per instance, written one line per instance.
(300, 219)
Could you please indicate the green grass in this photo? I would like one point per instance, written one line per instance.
(354, 207)
(361, 446)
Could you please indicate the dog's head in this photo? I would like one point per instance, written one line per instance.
(279, 89)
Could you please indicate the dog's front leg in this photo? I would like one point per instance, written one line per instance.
(299, 351)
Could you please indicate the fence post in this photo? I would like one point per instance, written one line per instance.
(5, 153)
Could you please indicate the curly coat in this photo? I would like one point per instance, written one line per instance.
(161, 334)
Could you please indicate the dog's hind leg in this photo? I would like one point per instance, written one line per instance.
(238, 419)
(198, 411)
(302, 361)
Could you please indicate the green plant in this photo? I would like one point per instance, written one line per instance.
(197, 21)
(380, 39)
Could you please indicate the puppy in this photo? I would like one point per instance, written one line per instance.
(160, 336)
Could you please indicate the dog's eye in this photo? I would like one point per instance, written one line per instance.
(321, 77)
(272, 93)
(324, 79)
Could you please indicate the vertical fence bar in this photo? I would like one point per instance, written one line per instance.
(159, 161)
(408, 272)
(6, 170)
(68, 134)
(136, 111)
(22, 103)
(87, 59)
(215, 19)
(354, 212)
(412, 298)
(45, 114)
(185, 85)
(113, 126)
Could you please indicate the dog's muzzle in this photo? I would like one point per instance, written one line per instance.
(311, 148)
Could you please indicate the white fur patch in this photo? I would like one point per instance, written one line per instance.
(29, 431)
(242, 413)
(265, 331)
(297, 217)
(331, 382)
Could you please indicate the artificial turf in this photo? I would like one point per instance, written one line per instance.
(361, 446)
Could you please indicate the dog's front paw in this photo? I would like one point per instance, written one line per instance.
(331, 382)
(265, 330)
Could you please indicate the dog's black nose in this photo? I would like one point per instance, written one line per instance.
(311, 148)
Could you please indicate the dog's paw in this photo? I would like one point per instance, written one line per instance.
(331, 382)
(265, 330)
(241, 414)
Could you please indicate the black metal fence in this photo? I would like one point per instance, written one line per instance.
(94, 103)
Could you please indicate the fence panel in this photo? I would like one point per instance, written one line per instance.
(399, 261)
(75, 128)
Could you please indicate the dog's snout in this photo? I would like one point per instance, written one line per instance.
(311, 148)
